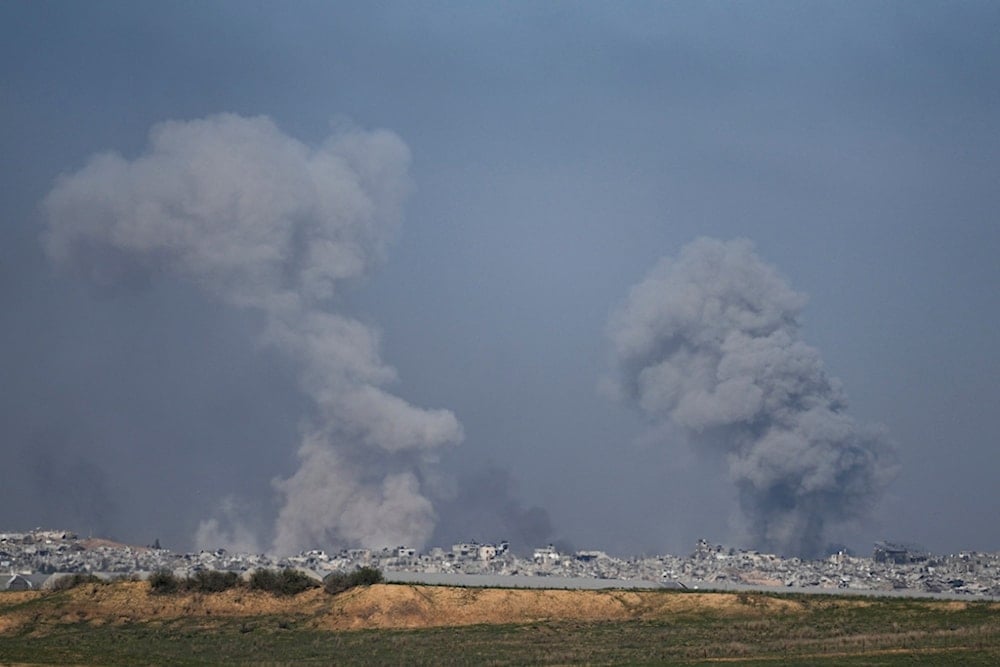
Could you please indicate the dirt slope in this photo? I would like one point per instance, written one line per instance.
(394, 606)
(381, 606)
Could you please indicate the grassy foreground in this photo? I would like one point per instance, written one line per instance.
(648, 627)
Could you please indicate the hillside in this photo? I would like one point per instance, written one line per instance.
(381, 606)
(124, 623)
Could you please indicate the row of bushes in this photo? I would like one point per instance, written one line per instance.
(281, 582)
(68, 581)
(205, 581)
(339, 582)
(277, 582)
(74, 580)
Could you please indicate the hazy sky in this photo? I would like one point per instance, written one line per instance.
(538, 160)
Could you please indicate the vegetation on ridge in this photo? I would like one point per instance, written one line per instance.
(126, 623)
(279, 582)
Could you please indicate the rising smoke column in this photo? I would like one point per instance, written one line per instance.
(709, 342)
(485, 505)
(261, 221)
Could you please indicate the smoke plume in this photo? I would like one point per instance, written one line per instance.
(261, 221)
(709, 342)
(484, 506)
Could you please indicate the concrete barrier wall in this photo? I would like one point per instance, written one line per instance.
(516, 581)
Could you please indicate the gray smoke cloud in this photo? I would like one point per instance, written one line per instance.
(484, 506)
(709, 342)
(261, 221)
(77, 489)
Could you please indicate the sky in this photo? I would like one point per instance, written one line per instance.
(284, 275)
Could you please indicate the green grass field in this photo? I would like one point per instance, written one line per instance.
(827, 631)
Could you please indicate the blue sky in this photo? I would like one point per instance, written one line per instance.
(559, 150)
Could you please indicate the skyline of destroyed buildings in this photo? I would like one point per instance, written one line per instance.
(34, 557)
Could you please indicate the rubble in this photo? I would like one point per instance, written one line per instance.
(892, 569)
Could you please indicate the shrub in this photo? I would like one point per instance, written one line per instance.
(366, 576)
(212, 581)
(338, 582)
(281, 582)
(74, 580)
(264, 580)
(164, 581)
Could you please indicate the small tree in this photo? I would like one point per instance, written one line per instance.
(164, 581)
(338, 582)
(212, 581)
(283, 582)
(74, 580)
(367, 576)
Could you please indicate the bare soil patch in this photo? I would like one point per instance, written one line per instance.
(385, 606)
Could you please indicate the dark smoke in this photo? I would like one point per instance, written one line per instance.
(709, 341)
(75, 490)
(485, 508)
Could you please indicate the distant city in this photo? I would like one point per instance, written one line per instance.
(38, 558)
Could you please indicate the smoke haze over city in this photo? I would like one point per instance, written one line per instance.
(709, 342)
(610, 277)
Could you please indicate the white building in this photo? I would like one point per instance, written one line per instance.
(547, 554)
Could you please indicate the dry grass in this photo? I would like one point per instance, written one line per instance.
(124, 623)
(383, 606)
